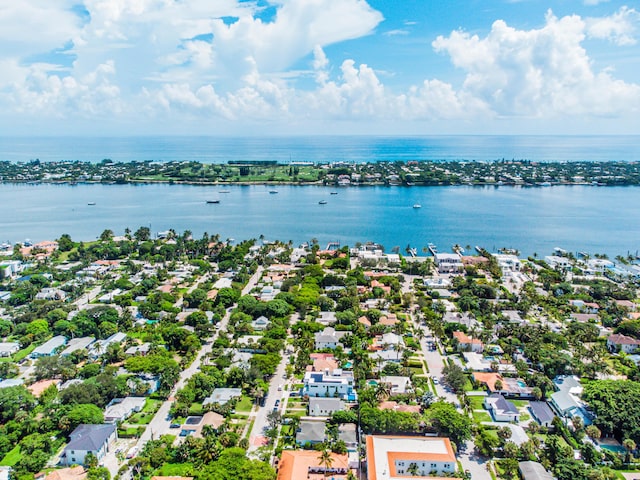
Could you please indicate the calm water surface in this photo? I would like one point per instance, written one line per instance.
(577, 218)
(323, 148)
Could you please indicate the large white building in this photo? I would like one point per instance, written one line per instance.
(390, 457)
(337, 384)
(448, 262)
(85, 439)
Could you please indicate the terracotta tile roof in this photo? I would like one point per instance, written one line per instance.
(295, 464)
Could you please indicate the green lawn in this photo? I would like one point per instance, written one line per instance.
(151, 406)
(520, 403)
(244, 405)
(481, 416)
(11, 458)
(195, 409)
(475, 402)
(24, 352)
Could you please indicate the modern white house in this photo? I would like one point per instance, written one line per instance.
(324, 407)
(622, 343)
(337, 384)
(85, 439)
(100, 346)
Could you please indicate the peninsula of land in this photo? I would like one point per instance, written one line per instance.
(413, 173)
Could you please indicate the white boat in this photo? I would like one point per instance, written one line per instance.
(322, 202)
(91, 203)
(417, 205)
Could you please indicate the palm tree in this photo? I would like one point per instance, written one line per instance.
(413, 469)
(326, 460)
(383, 391)
(629, 445)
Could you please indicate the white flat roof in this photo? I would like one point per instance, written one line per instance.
(386, 448)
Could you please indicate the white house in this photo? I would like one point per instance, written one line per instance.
(448, 262)
(399, 385)
(8, 348)
(338, 384)
(85, 439)
(622, 343)
(51, 294)
(120, 409)
(502, 410)
(508, 263)
(324, 407)
(100, 346)
(328, 338)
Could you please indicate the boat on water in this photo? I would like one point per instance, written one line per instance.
(322, 202)
(334, 193)
(417, 205)
(213, 201)
(273, 191)
(225, 191)
(91, 203)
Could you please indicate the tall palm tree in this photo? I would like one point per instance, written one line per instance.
(383, 391)
(326, 460)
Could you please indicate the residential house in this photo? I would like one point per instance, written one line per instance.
(193, 425)
(530, 470)
(11, 382)
(508, 263)
(391, 405)
(467, 343)
(324, 407)
(70, 473)
(328, 338)
(100, 346)
(120, 409)
(261, 323)
(51, 294)
(75, 344)
(85, 439)
(501, 409)
(391, 457)
(542, 413)
(49, 348)
(8, 348)
(566, 400)
(585, 307)
(338, 384)
(140, 349)
(347, 432)
(311, 432)
(448, 262)
(305, 464)
(399, 385)
(622, 343)
(506, 386)
(221, 396)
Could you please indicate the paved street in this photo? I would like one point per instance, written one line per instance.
(257, 438)
(161, 421)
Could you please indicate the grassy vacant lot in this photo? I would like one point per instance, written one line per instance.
(11, 458)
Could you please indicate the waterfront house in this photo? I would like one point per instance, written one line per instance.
(448, 262)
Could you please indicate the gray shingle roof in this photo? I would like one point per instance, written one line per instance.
(541, 411)
(90, 437)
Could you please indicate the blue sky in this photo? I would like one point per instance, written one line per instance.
(126, 67)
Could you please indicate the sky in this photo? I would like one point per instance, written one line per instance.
(289, 67)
